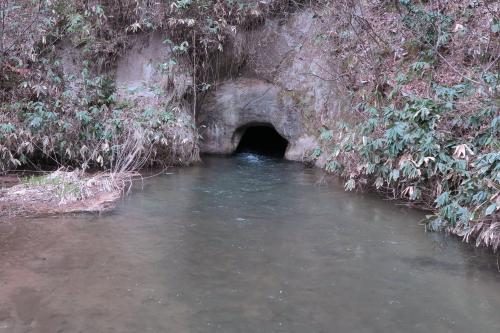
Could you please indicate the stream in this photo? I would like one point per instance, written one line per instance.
(244, 244)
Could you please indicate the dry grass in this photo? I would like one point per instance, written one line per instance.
(64, 192)
(483, 233)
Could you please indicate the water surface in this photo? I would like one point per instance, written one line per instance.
(246, 244)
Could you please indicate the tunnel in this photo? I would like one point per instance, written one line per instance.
(262, 139)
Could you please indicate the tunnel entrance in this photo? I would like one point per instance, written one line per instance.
(262, 140)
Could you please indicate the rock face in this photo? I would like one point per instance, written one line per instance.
(144, 70)
(238, 104)
(137, 71)
(284, 80)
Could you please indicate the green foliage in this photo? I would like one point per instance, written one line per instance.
(495, 25)
(432, 29)
(75, 119)
(412, 152)
(424, 124)
(82, 127)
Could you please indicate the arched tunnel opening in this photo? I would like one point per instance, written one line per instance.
(262, 140)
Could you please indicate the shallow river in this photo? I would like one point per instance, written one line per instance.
(245, 244)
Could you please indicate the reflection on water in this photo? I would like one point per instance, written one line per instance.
(248, 244)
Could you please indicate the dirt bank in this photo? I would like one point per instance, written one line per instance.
(62, 192)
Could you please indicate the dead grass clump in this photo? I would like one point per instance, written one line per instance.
(484, 233)
(64, 192)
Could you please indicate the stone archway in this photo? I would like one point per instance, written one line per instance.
(238, 104)
(260, 138)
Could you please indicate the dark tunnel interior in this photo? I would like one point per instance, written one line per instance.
(262, 140)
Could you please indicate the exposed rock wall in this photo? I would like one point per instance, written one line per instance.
(286, 81)
(153, 90)
(137, 71)
(243, 102)
(145, 69)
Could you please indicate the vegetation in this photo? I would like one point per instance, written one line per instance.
(426, 130)
(63, 192)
